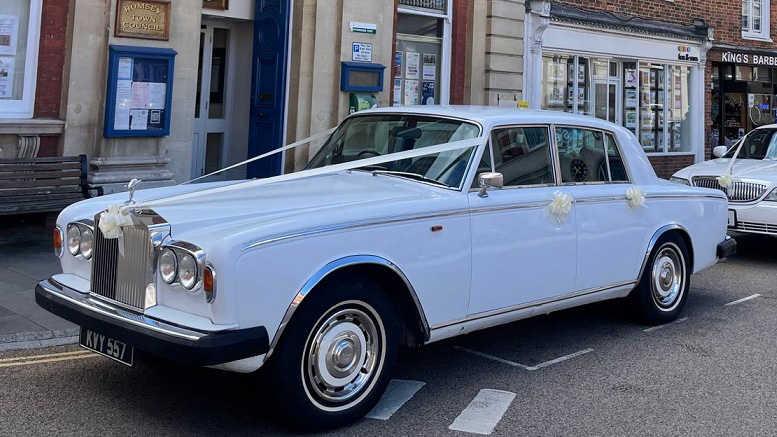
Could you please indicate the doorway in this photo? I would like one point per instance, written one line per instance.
(212, 112)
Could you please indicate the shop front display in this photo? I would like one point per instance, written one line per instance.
(422, 51)
(744, 95)
(650, 84)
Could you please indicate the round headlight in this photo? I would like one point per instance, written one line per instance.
(87, 243)
(73, 239)
(187, 272)
(168, 266)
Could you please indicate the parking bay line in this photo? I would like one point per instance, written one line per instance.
(397, 394)
(524, 366)
(484, 412)
(655, 328)
(744, 299)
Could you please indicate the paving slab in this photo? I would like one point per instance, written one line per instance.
(11, 281)
(23, 303)
(14, 324)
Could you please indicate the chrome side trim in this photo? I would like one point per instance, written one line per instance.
(685, 196)
(661, 231)
(352, 225)
(535, 303)
(332, 267)
(54, 288)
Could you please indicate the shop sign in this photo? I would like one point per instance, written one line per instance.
(362, 52)
(149, 19)
(687, 53)
(749, 58)
(370, 28)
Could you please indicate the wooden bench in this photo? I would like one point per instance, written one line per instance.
(30, 185)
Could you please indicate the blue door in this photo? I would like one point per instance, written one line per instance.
(268, 85)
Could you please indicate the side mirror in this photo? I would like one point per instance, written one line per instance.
(490, 180)
(719, 151)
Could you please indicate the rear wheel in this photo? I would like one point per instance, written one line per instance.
(336, 357)
(663, 289)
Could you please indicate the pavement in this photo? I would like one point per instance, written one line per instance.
(26, 257)
(588, 371)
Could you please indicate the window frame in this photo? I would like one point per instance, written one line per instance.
(24, 108)
(764, 34)
(618, 147)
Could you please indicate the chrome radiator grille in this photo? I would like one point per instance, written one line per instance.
(737, 192)
(122, 277)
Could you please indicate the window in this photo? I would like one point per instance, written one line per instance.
(755, 19)
(583, 158)
(19, 36)
(522, 155)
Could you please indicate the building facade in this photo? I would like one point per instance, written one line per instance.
(166, 91)
(684, 76)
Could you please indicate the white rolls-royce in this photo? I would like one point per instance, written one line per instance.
(408, 226)
(752, 190)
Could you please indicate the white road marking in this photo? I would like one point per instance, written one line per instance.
(524, 366)
(744, 299)
(655, 328)
(484, 412)
(397, 393)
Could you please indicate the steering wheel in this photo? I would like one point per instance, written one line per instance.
(368, 152)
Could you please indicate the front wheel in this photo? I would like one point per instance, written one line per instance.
(663, 289)
(336, 357)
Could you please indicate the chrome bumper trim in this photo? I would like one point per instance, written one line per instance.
(67, 294)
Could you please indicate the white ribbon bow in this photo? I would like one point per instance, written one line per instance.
(636, 197)
(560, 206)
(725, 180)
(112, 220)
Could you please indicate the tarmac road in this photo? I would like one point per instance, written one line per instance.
(586, 371)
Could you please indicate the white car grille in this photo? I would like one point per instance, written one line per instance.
(737, 192)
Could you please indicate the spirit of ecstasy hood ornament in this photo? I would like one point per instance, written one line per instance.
(131, 186)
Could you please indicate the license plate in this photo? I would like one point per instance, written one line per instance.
(109, 347)
(732, 219)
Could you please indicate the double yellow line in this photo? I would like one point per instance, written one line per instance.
(47, 358)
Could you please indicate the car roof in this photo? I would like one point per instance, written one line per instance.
(489, 116)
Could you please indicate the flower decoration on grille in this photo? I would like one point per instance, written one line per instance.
(112, 220)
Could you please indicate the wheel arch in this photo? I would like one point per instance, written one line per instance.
(673, 228)
(389, 277)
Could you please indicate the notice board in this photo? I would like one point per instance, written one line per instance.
(140, 92)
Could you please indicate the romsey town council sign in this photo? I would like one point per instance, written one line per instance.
(149, 19)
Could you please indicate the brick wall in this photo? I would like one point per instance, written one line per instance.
(722, 15)
(666, 166)
(458, 51)
(51, 61)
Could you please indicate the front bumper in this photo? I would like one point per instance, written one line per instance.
(727, 248)
(759, 218)
(155, 337)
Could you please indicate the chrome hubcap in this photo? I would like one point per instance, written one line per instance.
(668, 277)
(343, 354)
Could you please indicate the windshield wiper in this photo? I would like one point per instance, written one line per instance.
(414, 176)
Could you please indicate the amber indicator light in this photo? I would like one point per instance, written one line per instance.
(57, 239)
(207, 279)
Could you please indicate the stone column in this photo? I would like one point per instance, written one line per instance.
(538, 19)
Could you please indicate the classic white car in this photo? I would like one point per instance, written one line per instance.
(320, 276)
(752, 193)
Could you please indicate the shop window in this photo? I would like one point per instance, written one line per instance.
(19, 36)
(755, 19)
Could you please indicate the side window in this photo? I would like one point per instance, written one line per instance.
(522, 155)
(581, 154)
(618, 171)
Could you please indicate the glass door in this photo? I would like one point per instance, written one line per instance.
(211, 123)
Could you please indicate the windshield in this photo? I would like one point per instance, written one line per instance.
(759, 144)
(369, 136)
